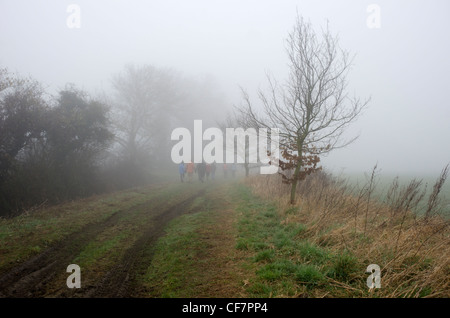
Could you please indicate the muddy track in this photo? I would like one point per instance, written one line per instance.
(30, 278)
(120, 280)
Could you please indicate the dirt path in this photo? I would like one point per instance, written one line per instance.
(30, 279)
(119, 281)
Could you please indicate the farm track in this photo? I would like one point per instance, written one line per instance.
(31, 278)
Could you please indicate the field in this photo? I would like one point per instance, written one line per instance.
(384, 180)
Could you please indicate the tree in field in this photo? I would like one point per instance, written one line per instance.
(312, 108)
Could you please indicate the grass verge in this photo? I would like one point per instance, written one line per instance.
(286, 262)
(322, 245)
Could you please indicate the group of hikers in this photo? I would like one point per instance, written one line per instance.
(204, 170)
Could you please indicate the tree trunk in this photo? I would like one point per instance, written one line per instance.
(297, 171)
(294, 183)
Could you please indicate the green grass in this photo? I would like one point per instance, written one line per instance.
(344, 266)
(311, 253)
(265, 256)
(176, 260)
(96, 250)
(278, 269)
(310, 275)
(286, 262)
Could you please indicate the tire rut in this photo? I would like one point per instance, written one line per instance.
(25, 279)
(30, 278)
(119, 281)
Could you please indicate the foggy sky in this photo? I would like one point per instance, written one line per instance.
(403, 65)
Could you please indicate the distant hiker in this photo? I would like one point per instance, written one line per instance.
(233, 170)
(225, 170)
(208, 171)
(181, 170)
(190, 170)
(213, 170)
(201, 170)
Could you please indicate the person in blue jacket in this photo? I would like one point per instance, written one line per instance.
(181, 170)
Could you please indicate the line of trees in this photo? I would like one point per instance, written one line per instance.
(55, 148)
(49, 150)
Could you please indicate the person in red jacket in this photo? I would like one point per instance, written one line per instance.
(190, 170)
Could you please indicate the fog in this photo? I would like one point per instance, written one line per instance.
(403, 65)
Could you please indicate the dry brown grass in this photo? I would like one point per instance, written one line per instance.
(413, 251)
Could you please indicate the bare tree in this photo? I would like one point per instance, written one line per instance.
(146, 99)
(239, 121)
(149, 102)
(312, 108)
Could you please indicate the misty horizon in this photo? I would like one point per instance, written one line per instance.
(402, 65)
